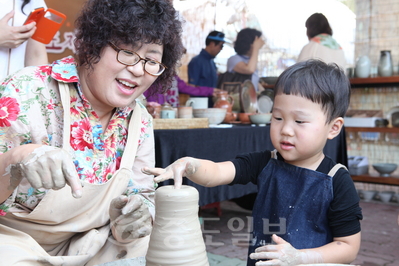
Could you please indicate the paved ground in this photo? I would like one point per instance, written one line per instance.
(227, 235)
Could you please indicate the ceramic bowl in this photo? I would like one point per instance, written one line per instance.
(368, 195)
(385, 196)
(260, 119)
(244, 117)
(214, 115)
(385, 169)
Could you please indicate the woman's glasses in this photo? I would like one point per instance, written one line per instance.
(131, 58)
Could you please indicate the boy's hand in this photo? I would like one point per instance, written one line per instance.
(182, 167)
(283, 254)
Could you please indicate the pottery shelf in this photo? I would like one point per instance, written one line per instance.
(392, 180)
(375, 81)
(373, 129)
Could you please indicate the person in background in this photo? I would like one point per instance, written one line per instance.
(202, 69)
(247, 46)
(321, 43)
(303, 196)
(17, 50)
(171, 96)
(74, 138)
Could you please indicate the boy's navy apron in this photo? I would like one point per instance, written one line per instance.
(292, 202)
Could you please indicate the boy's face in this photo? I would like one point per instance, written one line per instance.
(299, 131)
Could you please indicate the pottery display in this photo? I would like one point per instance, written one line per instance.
(224, 100)
(214, 115)
(197, 102)
(154, 109)
(363, 67)
(167, 111)
(385, 169)
(260, 119)
(385, 67)
(176, 238)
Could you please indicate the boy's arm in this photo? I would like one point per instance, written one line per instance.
(341, 250)
(202, 172)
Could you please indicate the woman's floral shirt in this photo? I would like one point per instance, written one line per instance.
(31, 112)
(327, 41)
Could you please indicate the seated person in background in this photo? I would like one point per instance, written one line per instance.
(303, 195)
(247, 46)
(171, 96)
(321, 43)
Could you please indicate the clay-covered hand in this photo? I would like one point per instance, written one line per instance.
(47, 167)
(283, 254)
(14, 36)
(130, 218)
(183, 167)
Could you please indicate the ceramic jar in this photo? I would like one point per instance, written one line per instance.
(363, 67)
(167, 111)
(385, 67)
(224, 100)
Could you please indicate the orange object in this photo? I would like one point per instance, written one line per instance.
(48, 22)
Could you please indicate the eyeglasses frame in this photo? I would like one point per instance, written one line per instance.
(117, 49)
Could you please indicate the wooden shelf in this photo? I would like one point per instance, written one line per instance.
(392, 180)
(373, 129)
(376, 81)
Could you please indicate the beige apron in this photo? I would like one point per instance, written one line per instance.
(63, 230)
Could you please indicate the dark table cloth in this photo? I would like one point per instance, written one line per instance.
(221, 144)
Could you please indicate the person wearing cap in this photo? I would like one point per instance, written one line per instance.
(202, 69)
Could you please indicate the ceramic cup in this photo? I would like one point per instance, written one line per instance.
(198, 102)
(168, 114)
(185, 112)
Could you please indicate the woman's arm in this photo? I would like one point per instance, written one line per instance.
(35, 54)
(250, 67)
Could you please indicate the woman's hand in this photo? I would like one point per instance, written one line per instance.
(130, 218)
(183, 167)
(283, 254)
(14, 36)
(258, 43)
(47, 167)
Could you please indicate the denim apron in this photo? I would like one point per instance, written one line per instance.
(292, 202)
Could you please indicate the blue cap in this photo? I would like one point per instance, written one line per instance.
(218, 38)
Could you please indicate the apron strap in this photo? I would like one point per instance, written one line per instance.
(133, 136)
(336, 167)
(66, 103)
(332, 172)
(133, 131)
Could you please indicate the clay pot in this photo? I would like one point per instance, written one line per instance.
(244, 118)
(230, 117)
(224, 101)
(154, 109)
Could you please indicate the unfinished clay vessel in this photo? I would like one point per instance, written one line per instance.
(176, 238)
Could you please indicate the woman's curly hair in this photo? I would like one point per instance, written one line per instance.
(129, 22)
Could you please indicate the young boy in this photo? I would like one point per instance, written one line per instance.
(311, 204)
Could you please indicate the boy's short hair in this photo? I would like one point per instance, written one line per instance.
(319, 82)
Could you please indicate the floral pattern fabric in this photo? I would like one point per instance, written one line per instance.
(327, 41)
(31, 112)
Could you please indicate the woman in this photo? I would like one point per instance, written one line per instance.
(247, 46)
(16, 48)
(321, 43)
(80, 124)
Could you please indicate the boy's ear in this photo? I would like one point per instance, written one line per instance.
(336, 126)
